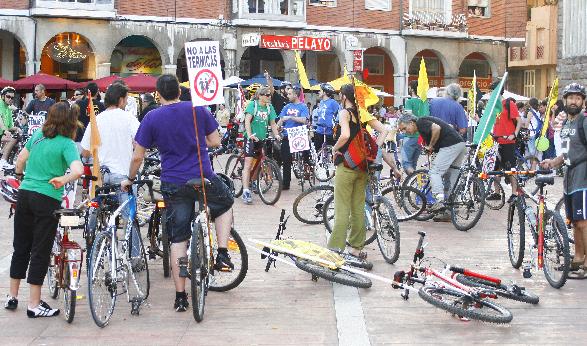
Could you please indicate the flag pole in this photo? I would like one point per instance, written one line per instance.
(490, 113)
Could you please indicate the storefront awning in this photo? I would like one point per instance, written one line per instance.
(5, 82)
(50, 82)
(104, 83)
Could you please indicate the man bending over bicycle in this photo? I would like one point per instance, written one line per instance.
(258, 115)
(171, 129)
(7, 126)
(444, 140)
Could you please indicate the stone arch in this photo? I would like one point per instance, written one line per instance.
(287, 57)
(54, 63)
(488, 57)
(445, 69)
(7, 70)
(155, 33)
(382, 79)
(139, 59)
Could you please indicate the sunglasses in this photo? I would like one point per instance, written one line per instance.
(265, 94)
(8, 96)
(77, 94)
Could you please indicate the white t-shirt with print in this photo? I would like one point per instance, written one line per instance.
(117, 132)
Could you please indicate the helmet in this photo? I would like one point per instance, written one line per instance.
(285, 84)
(574, 88)
(7, 89)
(328, 89)
(9, 189)
(253, 87)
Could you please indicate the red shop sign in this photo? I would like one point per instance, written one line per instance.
(295, 43)
(357, 60)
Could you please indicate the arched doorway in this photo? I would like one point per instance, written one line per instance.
(182, 68)
(434, 68)
(257, 60)
(135, 54)
(475, 63)
(379, 71)
(13, 57)
(69, 55)
(322, 66)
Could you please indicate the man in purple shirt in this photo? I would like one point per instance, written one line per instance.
(449, 110)
(170, 128)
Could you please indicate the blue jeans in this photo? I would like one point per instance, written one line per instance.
(410, 153)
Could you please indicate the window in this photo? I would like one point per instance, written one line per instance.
(381, 5)
(574, 16)
(478, 8)
(530, 83)
(275, 7)
(430, 6)
(375, 64)
(105, 5)
(327, 3)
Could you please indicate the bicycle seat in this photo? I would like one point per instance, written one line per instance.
(196, 183)
(68, 212)
(375, 166)
(542, 181)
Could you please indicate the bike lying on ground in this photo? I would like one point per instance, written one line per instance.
(467, 297)
(316, 260)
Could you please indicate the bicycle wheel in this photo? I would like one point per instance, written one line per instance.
(234, 170)
(69, 298)
(407, 202)
(420, 180)
(198, 271)
(165, 243)
(137, 258)
(101, 285)
(516, 233)
(225, 281)
(467, 203)
(308, 206)
(490, 190)
(341, 276)
(511, 292)
(463, 305)
(324, 169)
(297, 166)
(328, 220)
(387, 227)
(269, 182)
(561, 209)
(557, 258)
(53, 271)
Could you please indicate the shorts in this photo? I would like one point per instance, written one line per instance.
(252, 148)
(575, 204)
(507, 157)
(180, 200)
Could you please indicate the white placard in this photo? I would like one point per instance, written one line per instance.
(35, 122)
(298, 139)
(250, 40)
(203, 63)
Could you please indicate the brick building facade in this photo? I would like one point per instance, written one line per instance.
(456, 37)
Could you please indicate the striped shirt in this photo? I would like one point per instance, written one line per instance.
(557, 123)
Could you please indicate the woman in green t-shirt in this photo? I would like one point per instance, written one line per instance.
(46, 156)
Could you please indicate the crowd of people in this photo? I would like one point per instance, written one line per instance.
(166, 121)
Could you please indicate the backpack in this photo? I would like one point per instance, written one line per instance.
(540, 124)
(361, 150)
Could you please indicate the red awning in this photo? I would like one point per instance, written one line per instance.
(50, 83)
(104, 83)
(141, 83)
(5, 82)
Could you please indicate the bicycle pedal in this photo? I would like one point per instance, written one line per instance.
(527, 274)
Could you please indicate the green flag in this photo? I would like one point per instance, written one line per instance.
(493, 108)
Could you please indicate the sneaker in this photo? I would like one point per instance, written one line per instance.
(247, 198)
(11, 303)
(223, 262)
(42, 310)
(494, 197)
(437, 206)
(5, 165)
(442, 217)
(181, 303)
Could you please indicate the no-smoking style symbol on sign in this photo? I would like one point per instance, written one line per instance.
(299, 143)
(206, 85)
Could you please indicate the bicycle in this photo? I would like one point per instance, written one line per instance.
(316, 260)
(264, 171)
(308, 206)
(303, 169)
(380, 220)
(66, 261)
(548, 230)
(408, 202)
(466, 199)
(116, 264)
(444, 292)
(159, 245)
(324, 168)
(202, 253)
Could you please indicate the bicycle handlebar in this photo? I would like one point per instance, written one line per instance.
(514, 172)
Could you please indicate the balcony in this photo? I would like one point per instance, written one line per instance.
(288, 13)
(435, 24)
(541, 40)
(74, 8)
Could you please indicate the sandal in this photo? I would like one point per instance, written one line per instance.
(578, 275)
(575, 266)
(361, 254)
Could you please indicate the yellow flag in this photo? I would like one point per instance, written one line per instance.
(423, 85)
(95, 143)
(472, 96)
(302, 72)
(552, 97)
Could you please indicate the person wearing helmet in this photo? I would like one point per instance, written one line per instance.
(7, 125)
(327, 112)
(574, 157)
(278, 97)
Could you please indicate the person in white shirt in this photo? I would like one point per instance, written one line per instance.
(132, 106)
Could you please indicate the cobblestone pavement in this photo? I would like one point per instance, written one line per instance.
(285, 307)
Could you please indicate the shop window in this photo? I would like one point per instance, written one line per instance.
(381, 5)
(374, 63)
(478, 8)
(327, 3)
(530, 83)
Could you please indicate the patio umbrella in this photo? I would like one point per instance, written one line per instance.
(141, 83)
(260, 79)
(50, 82)
(507, 94)
(104, 83)
(5, 82)
(234, 80)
